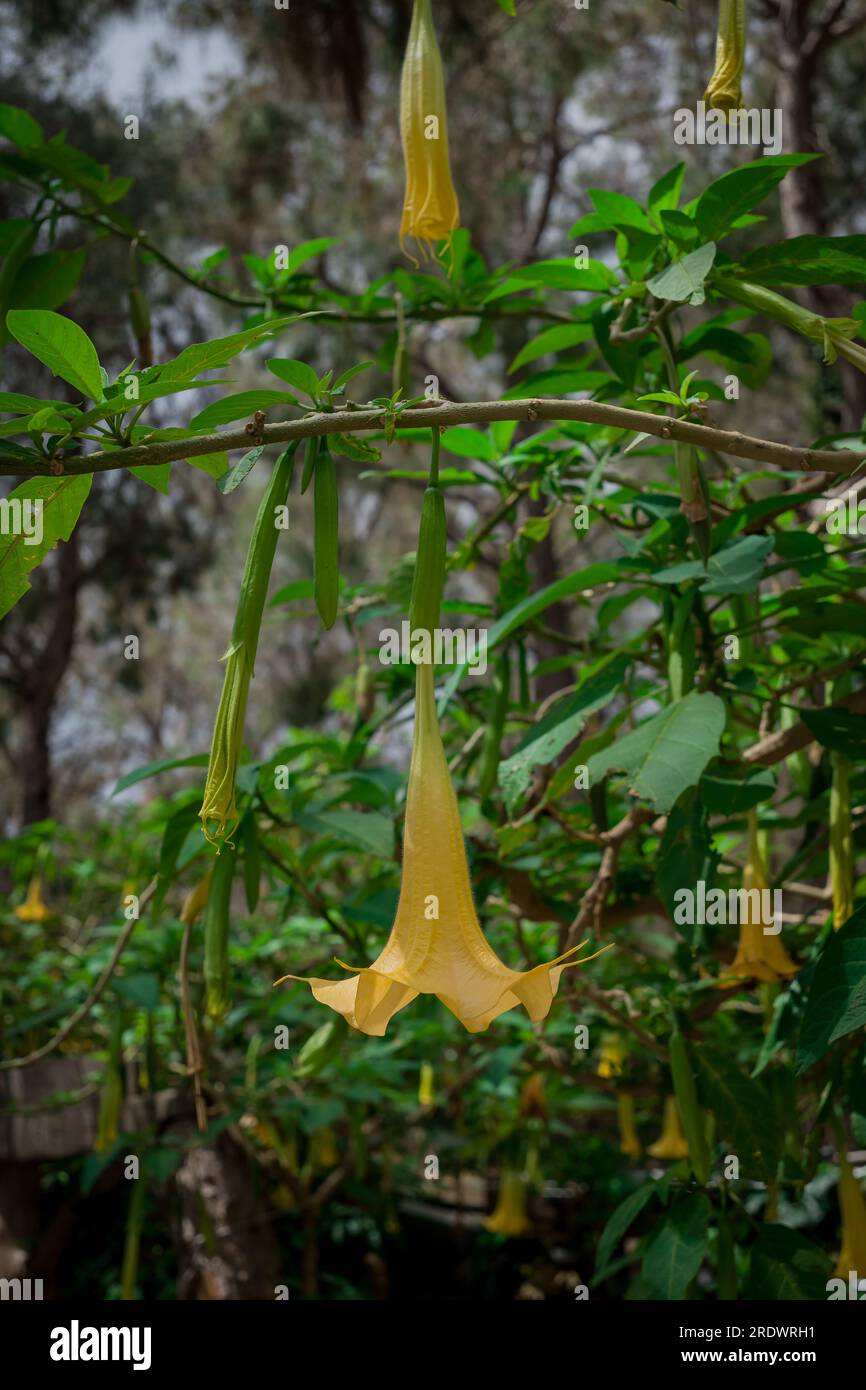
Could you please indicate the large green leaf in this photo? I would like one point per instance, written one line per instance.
(203, 357)
(836, 1004)
(47, 281)
(669, 752)
(728, 790)
(839, 729)
(727, 198)
(785, 1265)
(152, 769)
(743, 1112)
(736, 569)
(366, 830)
(677, 1248)
(808, 260)
(619, 1222)
(62, 500)
(61, 345)
(238, 407)
(546, 739)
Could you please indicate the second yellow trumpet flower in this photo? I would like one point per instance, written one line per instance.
(430, 210)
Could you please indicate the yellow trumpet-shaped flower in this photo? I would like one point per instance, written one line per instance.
(760, 955)
(852, 1256)
(613, 1054)
(672, 1142)
(724, 90)
(33, 909)
(510, 1217)
(436, 945)
(430, 211)
(426, 1090)
(628, 1140)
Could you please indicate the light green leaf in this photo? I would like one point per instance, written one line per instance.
(669, 752)
(61, 345)
(684, 280)
(61, 501)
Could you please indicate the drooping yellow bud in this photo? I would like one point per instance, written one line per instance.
(628, 1139)
(430, 211)
(510, 1217)
(436, 945)
(672, 1142)
(724, 90)
(613, 1054)
(33, 909)
(760, 955)
(533, 1105)
(852, 1205)
(196, 900)
(426, 1091)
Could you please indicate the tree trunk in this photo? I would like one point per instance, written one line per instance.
(801, 192)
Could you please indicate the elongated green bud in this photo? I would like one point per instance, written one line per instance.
(841, 841)
(428, 582)
(326, 538)
(834, 335)
(216, 935)
(219, 814)
(690, 1112)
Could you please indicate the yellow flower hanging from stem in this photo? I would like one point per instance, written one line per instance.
(672, 1143)
(724, 90)
(430, 210)
(510, 1217)
(436, 944)
(760, 954)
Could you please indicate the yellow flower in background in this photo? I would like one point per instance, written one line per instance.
(196, 900)
(436, 945)
(323, 1149)
(760, 956)
(533, 1105)
(33, 909)
(510, 1217)
(426, 1092)
(852, 1256)
(430, 211)
(613, 1054)
(724, 90)
(672, 1142)
(628, 1140)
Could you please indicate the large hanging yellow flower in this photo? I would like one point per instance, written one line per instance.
(436, 945)
(760, 955)
(724, 91)
(430, 211)
(852, 1256)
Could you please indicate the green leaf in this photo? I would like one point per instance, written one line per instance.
(468, 443)
(728, 791)
(306, 251)
(555, 339)
(736, 569)
(203, 357)
(668, 753)
(560, 726)
(807, 260)
(836, 1005)
(62, 500)
(740, 190)
(684, 280)
(19, 126)
(678, 1248)
(785, 1265)
(141, 774)
(685, 854)
(838, 729)
(297, 374)
(665, 194)
(618, 210)
(237, 407)
(47, 281)
(290, 593)
(619, 1222)
(61, 345)
(367, 830)
(744, 1113)
(562, 274)
(235, 476)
